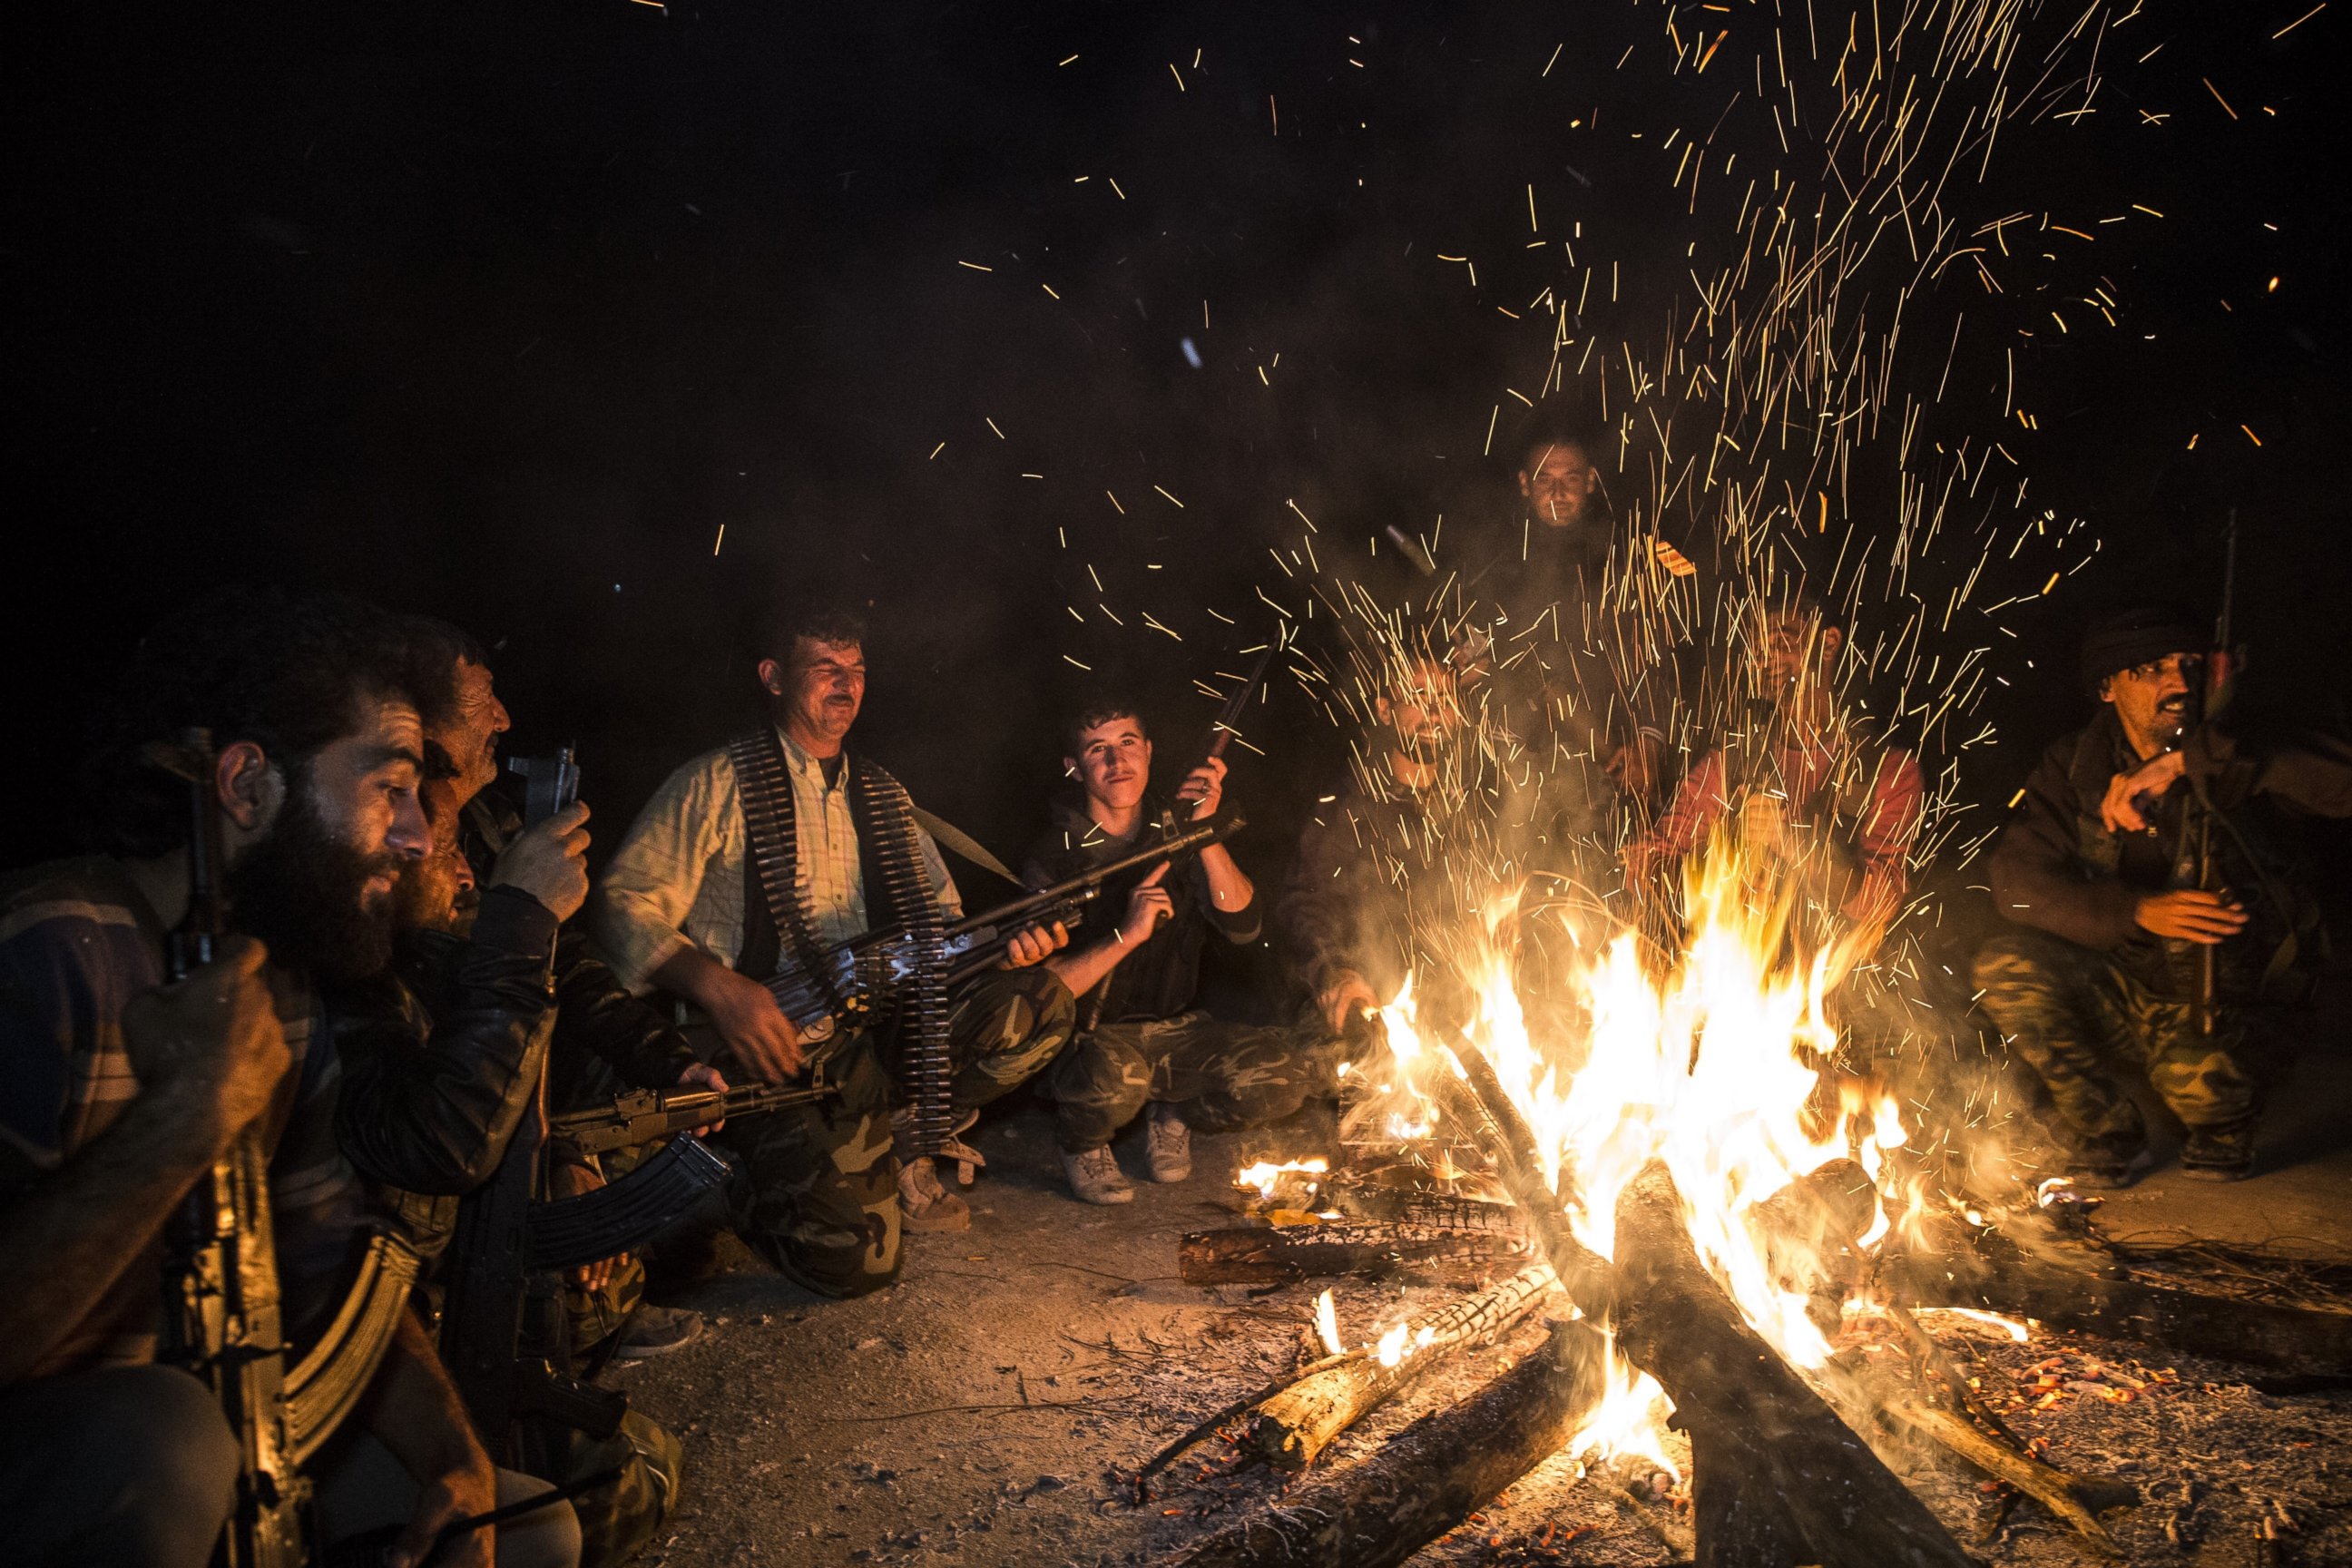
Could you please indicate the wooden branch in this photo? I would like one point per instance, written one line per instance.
(1292, 1425)
(1430, 1476)
(1750, 1409)
(1739, 1400)
(1420, 1206)
(1258, 1255)
(1995, 1273)
(2078, 1499)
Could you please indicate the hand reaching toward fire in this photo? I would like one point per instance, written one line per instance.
(1347, 994)
(1763, 825)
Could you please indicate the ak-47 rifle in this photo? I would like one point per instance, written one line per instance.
(225, 1311)
(650, 1115)
(2210, 695)
(868, 972)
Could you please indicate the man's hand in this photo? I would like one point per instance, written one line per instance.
(571, 1179)
(1635, 765)
(701, 1077)
(1205, 786)
(212, 1039)
(1763, 824)
(550, 862)
(2120, 810)
(1146, 906)
(1035, 944)
(745, 1014)
(2192, 914)
(459, 1494)
(1347, 994)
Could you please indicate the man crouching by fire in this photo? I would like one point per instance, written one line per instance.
(1376, 883)
(2106, 959)
(1140, 1039)
(1815, 791)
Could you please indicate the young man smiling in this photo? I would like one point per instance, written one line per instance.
(1141, 1039)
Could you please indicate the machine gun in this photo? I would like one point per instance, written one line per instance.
(864, 976)
(224, 1319)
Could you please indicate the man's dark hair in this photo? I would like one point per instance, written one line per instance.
(287, 673)
(828, 621)
(436, 647)
(1544, 437)
(1095, 710)
(1804, 602)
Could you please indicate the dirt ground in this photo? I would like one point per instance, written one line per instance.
(981, 1412)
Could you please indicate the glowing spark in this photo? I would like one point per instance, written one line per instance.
(975, 265)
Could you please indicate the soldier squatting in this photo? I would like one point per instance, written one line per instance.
(401, 997)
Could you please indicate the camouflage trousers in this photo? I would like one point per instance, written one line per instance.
(817, 1188)
(2075, 1016)
(1223, 1077)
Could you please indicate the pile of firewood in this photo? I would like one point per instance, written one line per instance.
(1788, 1467)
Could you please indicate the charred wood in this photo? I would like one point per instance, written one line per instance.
(1255, 1255)
(1994, 1273)
(1430, 1476)
(1291, 1427)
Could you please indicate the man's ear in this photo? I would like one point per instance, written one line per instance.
(1523, 485)
(1382, 708)
(248, 786)
(1832, 639)
(771, 677)
(1069, 767)
(2108, 689)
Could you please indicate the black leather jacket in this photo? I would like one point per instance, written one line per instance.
(439, 1056)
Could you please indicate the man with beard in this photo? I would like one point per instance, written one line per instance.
(1571, 649)
(111, 1112)
(2109, 926)
(604, 1039)
(1817, 797)
(704, 904)
(1374, 883)
(1141, 1039)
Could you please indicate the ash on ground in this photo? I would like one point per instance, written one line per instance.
(993, 1408)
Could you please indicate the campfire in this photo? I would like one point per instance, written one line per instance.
(1730, 1231)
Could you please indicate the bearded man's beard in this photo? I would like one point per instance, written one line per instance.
(301, 890)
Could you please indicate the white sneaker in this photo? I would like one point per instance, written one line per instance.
(925, 1204)
(1095, 1178)
(1168, 1144)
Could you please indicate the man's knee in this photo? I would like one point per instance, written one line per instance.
(2019, 955)
(546, 1537)
(134, 1465)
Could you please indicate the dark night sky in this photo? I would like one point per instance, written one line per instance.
(502, 312)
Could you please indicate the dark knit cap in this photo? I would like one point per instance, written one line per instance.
(2137, 635)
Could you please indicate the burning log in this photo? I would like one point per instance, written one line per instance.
(1293, 1425)
(1422, 1207)
(1996, 1273)
(1767, 1434)
(1258, 1256)
(1758, 1424)
(1430, 1476)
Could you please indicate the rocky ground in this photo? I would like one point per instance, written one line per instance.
(985, 1411)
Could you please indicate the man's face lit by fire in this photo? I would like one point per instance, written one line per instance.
(1794, 653)
(2152, 699)
(1558, 483)
(818, 691)
(1114, 763)
(318, 884)
(431, 888)
(471, 737)
(1421, 707)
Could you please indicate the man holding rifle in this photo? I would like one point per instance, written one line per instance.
(117, 1096)
(2105, 963)
(1141, 1039)
(754, 861)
